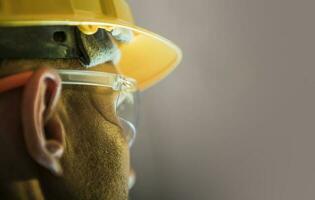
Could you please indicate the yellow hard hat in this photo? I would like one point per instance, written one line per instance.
(147, 58)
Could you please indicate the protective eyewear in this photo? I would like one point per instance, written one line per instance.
(126, 102)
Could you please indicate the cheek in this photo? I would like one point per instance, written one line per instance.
(104, 102)
(96, 156)
(99, 161)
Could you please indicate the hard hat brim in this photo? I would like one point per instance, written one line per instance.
(148, 58)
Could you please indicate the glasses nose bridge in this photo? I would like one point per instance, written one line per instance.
(129, 131)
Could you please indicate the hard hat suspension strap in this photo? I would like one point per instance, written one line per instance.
(57, 42)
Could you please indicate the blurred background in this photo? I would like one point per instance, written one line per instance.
(236, 120)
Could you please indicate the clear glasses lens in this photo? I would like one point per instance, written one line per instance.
(127, 111)
(129, 131)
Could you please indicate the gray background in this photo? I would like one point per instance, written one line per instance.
(236, 120)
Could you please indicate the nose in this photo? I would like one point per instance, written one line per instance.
(129, 131)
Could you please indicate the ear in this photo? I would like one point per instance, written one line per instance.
(43, 131)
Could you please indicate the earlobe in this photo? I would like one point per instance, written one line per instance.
(43, 131)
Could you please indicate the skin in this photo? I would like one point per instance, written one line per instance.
(81, 153)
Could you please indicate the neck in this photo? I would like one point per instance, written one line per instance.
(21, 190)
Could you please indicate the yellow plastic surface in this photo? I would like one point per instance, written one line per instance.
(147, 58)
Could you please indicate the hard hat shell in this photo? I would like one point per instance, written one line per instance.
(147, 58)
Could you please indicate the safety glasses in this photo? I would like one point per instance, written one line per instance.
(126, 103)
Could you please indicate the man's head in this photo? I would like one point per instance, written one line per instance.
(96, 157)
(75, 129)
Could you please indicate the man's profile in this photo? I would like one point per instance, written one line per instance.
(69, 74)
